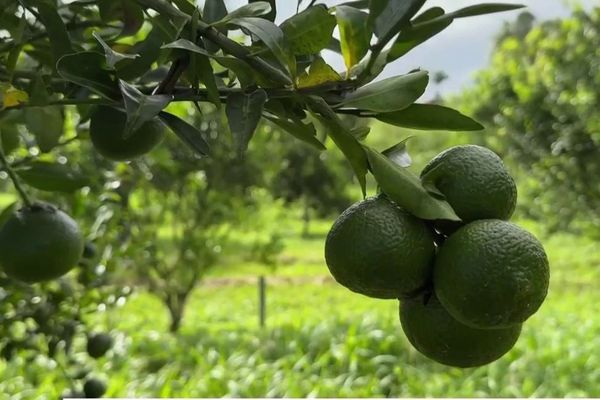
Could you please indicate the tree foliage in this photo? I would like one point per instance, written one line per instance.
(540, 94)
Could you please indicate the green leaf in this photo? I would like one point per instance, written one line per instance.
(416, 35)
(398, 154)
(128, 12)
(214, 10)
(300, 130)
(390, 94)
(243, 114)
(343, 139)
(406, 190)
(355, 34)
(140, 108)
(46, 124)
(38, 92)
(188, 134)
(186, 6)
(52, 177)
(165, 8)
(149, 51)
(8, 212)
(310, 31)
(55, 27)
(429, 14)
(86, 69)
(390, 16)
(15, 52)
(430, 117)
(207, 77)
(249, 10)
(273, 13)
(9, 137)
(485, 8)
(272, 36)
(319, 73)
(112, 57)
(242, 70)
(360, 4)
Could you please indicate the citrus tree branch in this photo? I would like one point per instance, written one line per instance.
(237, 50)
(13, 177)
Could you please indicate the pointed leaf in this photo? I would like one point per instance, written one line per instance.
(249, 10)
(406, 190)
(214, 10)
(272, 36)
(112, 57)
(319, 73)
(300, 130)
(86, 69)
(55, 27)
(429, 14)
(355, 34)
(273, 13)
(140, 108)
(390, 94)
(343, 139)
(52, 177)
(188, 134)
(398, 154)
(310, 31)
(486, 8)
(243, 114)
(416, 35)
(392, 16)
(46, 124)
(430, 117)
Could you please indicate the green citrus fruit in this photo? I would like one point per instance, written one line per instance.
(107, 128)
(94, 388)
(39, 243)
(437, 335)
(491, 274)
(98, 344)
(474, 181)
(377, 249)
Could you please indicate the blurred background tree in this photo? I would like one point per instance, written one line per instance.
(539, 98)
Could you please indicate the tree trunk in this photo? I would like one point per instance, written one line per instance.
(175, 323)
(176, 306)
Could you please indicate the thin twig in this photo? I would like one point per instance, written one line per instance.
(14, 178)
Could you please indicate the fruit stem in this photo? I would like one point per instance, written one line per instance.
(14, 178)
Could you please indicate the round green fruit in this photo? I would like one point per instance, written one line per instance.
(94, 388)
(474, 181)
(437, 335)
(377, 249)
(39, 243)
(491, 274)
(107, 131)
(98, 344)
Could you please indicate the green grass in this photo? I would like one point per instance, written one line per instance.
(322, 340)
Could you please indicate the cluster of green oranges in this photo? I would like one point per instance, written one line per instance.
(465, 288)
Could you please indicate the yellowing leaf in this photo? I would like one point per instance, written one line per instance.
(12, 97)
(319, 72)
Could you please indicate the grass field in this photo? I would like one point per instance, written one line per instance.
(322, 340)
